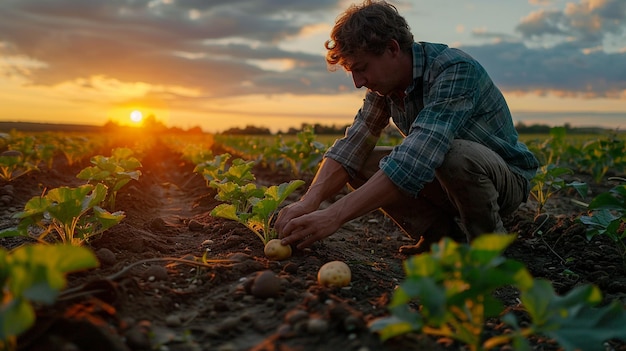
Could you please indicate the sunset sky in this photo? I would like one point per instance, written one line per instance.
(231, 63)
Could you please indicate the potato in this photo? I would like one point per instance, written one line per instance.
(334, 274)
(276, 251)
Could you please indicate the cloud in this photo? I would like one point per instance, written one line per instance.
(562, 70)
(191, 50)
(562, 52)
(205, 45)
(585, 24)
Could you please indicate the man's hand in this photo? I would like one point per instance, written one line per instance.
(309, 228)
(290, 212)
(300, 223)
(300, 219)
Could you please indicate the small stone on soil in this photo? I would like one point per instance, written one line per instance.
(266, 285)
(156, 271)
(195, 226)
(173, 320)
(317, 326)
(106, 256)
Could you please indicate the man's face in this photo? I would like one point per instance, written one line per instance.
(375, 72)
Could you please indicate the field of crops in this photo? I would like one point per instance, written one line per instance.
(157, 243)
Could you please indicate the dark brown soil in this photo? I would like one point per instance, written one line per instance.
(150, 293)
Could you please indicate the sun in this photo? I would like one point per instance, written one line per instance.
(136, 116)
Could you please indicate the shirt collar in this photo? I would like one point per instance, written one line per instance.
(418, 65)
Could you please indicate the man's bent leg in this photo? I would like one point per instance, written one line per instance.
(481, 187)
(427, 218)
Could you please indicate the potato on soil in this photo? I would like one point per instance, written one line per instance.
(276, 251)
(334, 274)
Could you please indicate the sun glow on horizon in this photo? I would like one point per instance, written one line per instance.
(136, 116)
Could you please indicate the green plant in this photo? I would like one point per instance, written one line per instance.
(34, 274)
(75, 149)
(240, 197)
(73, 214)
(574, 320)
(600, 155)
(46, 152)
(257, 210)
(303, 155)
(548, 182)
(212, 168)
(13, 165)
(114, 172)
(27, 146)
(196, 154)
(454, 284)
(550, 150)
(607, 216)
(243, 201)
(219, 170)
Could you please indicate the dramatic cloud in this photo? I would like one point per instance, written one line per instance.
(586, 24)
(574, 52)
(178, 43)
(224, 48)
(562, 70)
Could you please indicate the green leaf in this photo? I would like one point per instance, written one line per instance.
(580, 187)
(106, 218)
(282, 191)
(615, 199)
(571, 319)
(120, 183)
(432, 297)
(600, 222)
(47, 264)
(35, 206)
(265, 208)
(227, 211)
(389, 327)
(421, 266)
(93, 173)
(16, 316)
(487, 247)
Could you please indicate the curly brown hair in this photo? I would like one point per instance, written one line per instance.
(366, 28)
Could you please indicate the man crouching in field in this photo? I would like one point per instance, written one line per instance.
(458, 170)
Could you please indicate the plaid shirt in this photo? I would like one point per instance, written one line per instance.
(451, 97)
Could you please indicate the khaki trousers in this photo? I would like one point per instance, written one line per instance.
(472, 190)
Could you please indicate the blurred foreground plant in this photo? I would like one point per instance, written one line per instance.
(34, 274)
(454, 284)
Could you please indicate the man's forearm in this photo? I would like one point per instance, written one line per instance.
(377, 192)
(329, 180)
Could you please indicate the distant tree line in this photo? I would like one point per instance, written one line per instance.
(317, 129)
(545, 129)
(151, 125)
(335, 129)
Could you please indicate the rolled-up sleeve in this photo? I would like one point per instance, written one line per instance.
(361, 136)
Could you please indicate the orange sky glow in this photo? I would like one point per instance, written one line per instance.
(218, 66)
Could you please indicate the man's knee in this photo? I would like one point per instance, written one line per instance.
(463, 161)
